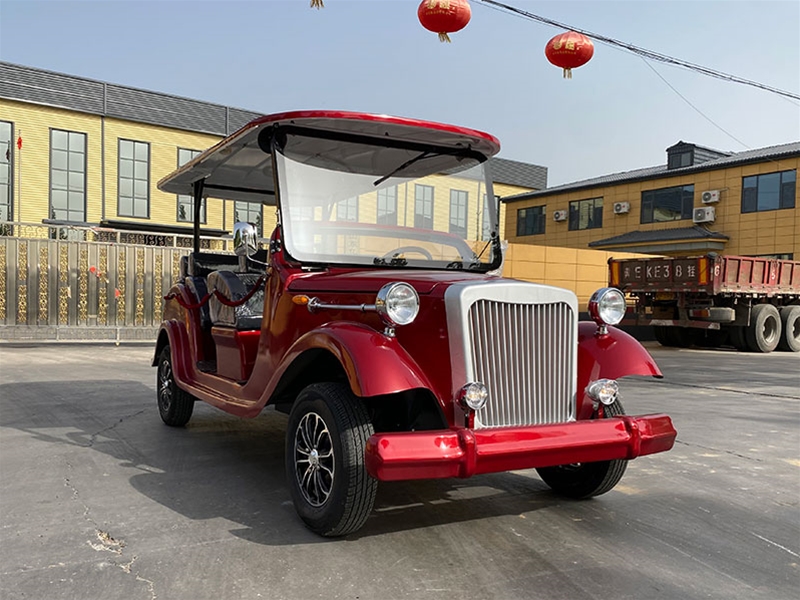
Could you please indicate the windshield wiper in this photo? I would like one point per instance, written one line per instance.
(408, 163)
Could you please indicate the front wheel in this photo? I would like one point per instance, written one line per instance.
(326, 438)
(584, 480)
(174, 404)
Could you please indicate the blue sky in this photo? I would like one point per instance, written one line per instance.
(615, 114)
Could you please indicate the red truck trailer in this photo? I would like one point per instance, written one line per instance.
(751, 303)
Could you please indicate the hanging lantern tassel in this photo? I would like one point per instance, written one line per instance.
(569, 51)
(444, 16)
(317, 4)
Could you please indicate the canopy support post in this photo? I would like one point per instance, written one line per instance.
(197, 189)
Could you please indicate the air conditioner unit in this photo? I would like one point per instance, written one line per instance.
(559, 215)
(621, 208)
(710, 197)
(705, 214)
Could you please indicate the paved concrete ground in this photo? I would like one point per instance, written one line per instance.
(100, 500)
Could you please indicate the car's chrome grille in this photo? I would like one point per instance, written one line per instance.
(524, 354)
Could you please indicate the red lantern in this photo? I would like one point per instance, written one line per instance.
(569, 51)
(444, 16)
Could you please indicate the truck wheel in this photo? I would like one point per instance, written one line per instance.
(326, 438)
(736, 336)
(174, 404)
(790, 320)
(764, 331)
(661, 334)
(682, 337)
(710, 338)
(584, 480)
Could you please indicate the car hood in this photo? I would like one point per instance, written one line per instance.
(343, 280)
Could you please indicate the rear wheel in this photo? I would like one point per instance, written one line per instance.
(790, 322)
(661, 333)
(736, 336)
(584, 480)
(682, 337)
(174, 404)
(326, 438)
(764, 331)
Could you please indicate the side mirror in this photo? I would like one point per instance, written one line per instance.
(245, 239)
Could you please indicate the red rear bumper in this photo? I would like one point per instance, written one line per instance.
(467, 452)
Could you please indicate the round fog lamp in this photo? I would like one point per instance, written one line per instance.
(603, 390)
(607, 306)
(473, 396)
(397, 303)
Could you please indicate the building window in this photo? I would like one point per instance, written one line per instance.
(134, 179)
(387, 206)
(347, 210)
(248, 212)
(458, 212)
(784, 256)
(6, 171)
(531, 220)
(680, 159)
(185, 202)
(586, 214)
(67, 176)
(423, 206)
(667, 204)
(768, 192)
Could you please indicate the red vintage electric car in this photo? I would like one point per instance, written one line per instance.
(392, 344)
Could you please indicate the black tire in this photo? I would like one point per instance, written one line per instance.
(737, 339)
(661, 333)
(585, 480)
(682, 337)
(332, 492)
(764, 331)
(790, 324)
(710, 338)
(174, 404)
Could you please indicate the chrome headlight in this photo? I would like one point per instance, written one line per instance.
(607, 306)
(397, 303)
(603, 390)
(473, 396)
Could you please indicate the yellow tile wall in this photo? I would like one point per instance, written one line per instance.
(753, 233)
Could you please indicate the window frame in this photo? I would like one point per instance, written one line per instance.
(783, 203)
(575, 226)
(68, 190)
(648, 206)
(133, 179)
(260, 223)
(458, 229)
(538, 222)
(386, 217)
(420, 218)
(10, 166)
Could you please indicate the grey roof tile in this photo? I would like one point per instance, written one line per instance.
(748, 156)
(660, 235)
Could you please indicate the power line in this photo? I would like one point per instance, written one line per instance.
(657, 56)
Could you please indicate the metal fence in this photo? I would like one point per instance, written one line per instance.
(82, 283)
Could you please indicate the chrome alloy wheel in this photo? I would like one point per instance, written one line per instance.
(165, 385)
(313, 457)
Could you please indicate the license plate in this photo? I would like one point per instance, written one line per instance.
(665, 296)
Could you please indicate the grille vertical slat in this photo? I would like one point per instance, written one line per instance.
(523, 354)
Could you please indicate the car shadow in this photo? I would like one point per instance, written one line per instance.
(220, 466)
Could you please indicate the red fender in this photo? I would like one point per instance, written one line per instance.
(608, 356)
(375, 364)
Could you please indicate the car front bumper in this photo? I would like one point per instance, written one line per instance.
(467, 452)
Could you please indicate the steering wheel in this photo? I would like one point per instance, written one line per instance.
(403, 249)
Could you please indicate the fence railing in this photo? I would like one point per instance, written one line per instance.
(82, 283)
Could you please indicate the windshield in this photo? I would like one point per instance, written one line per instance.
(356, 203)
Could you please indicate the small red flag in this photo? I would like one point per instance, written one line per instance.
(19, 143)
